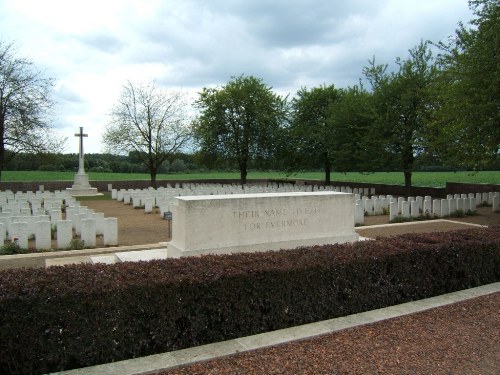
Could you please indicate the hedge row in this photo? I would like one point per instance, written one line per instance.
(75, 316)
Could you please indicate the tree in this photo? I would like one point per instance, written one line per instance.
(467, 126)
(25, 108)
(151, 123)
(351, 119)
(240, 123)
(404, 105)
(310, 132)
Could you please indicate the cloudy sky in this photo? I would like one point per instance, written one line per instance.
(91, 48)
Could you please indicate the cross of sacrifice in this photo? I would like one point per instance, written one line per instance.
(81, 167)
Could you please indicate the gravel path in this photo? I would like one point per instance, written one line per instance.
(463, 338)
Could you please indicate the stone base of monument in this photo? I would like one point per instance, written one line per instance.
(258, 222)
(82, 187)
(130, 256)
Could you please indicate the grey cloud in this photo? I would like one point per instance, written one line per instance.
(103, 42)
(65, 94)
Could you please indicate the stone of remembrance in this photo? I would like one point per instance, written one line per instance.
(213, 224)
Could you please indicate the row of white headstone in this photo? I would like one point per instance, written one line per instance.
(414, 207)
(38, 214)
(163, 197)
(364, 204)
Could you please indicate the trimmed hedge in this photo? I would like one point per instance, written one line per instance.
(68, 317)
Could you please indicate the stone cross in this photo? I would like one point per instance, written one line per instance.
(81, 167)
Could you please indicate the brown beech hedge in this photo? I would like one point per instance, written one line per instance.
(68, 317)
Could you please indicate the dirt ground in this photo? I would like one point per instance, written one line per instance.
(135, 227)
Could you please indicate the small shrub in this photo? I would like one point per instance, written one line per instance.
(458, 213)
(12, 248)
(76, 244)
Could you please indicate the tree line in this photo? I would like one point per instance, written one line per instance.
(96, 162)
(438, 107)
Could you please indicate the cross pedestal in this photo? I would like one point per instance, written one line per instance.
(81, 184)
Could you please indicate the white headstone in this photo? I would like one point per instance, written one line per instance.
(400, 203)
(19, 233)
(369, 207)
(445, 207)
(136, 201)
(484, 198)
(414, 209)
(55, 216)
(88, 232)
(99, 222)
(148, 205)
(393, 210)
(64, 233)
(359, 214)
(110, 235)
(452, 205)
(495, 200)
(405, 209)
(2, 234)
(490, 198)
(427, 210)
(126, 198)
(43, 238)
(472, 204)
(119, 195)
(436, 207)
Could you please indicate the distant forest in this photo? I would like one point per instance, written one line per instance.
(105, 163)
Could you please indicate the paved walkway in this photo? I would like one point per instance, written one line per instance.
(206, 352)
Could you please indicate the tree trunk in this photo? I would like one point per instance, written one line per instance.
(243, 172)
(2, 146)
(153, 178)
(408, 168)
(407, 174)
(328, 170)
(243, 176)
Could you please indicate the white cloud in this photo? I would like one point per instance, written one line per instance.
(93, 47)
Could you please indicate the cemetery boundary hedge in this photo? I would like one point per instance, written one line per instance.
(74, 316)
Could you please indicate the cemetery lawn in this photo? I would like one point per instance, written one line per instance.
(433, 179)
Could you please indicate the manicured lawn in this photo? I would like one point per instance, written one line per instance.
(435, 179)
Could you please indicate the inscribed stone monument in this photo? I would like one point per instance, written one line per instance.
(214, 224)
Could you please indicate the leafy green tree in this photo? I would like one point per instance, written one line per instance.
(149, 122)
(239, 123)
(351, 119)
(25, 108)
(404, 105)
(467, 129)
(310, 134)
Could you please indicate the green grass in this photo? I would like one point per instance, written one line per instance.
(434, 179)
(104, 197)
